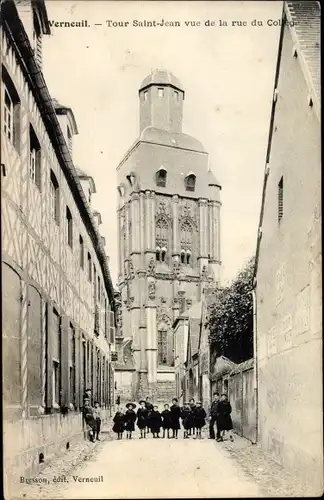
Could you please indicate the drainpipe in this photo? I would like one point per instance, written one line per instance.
(255, 358)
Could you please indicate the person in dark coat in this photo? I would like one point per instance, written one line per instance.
(142, 418)
(149, 407)
(192, 429)
(199, 418)
(130, 417)
(155, 422)
(175, 417)
(119, 424)
(225, 420)
(88, 419)
(186, 419)
(214, 417)
(166, 420)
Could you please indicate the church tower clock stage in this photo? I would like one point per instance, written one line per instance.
(168, 232)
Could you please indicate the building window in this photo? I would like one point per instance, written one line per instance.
(280, 199)
(89, 267)
(34, 158)
(162, 347)
(161, 92)
(81, 252)
(190, 182)
(56, 384)
(186, 240)
(69, 136)
(54, 198)
(163, 254)
(162, 233)
(188, 256)
(72, 365)
(161, 177)
(183, 256)
(94, 283)
(158, 253)
(112, 327)
(11, 110)
(69, 222)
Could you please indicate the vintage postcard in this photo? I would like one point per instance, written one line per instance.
(161, 249)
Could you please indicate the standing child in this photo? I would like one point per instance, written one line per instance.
(130, 417)
(155, 422)
(175, 417)
(142, 418)
(119, 424)
(97, 420)
(88, 419)
(199, 418)
(186, 419)
(166, 420)
(149, 407)
(192, 424)
(225, 419)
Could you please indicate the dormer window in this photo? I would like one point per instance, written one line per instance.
(161, 177)
(190, 182)
(131, 179)
(161, 92)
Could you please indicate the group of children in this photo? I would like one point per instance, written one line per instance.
(150, 419)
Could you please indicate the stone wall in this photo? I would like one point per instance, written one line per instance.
(30, 441)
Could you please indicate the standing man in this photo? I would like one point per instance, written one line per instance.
(88, 419)
(214, 416)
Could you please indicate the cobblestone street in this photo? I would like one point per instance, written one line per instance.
(164, 468)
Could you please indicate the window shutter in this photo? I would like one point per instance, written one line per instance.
(96, 322)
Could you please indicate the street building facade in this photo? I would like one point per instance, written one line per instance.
(168, 223)
(58, 299)
(289, 257)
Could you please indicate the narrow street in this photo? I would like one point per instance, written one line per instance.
(150, 468)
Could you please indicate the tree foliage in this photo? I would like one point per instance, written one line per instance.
(231, 317)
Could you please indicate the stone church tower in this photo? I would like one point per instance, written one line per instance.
(168, 225)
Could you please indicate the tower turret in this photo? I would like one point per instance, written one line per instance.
(161, 102)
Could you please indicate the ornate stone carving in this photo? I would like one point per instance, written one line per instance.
(176, 269)
(131, 272)
(163, 300)
(151, 268)
(163, 317)
(189, 302)
(151, 289)
(204, 273)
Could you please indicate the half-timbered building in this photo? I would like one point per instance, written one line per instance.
(58, 299)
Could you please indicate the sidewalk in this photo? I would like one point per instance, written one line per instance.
(59, 467)
(272, 478)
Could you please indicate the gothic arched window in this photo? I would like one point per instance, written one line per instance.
(162, 231)
(183, 256)
(162, 346)
(158, 253)
(190, 182)
(161, 177)
(188, 256)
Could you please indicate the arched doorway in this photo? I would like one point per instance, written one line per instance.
(11, 337)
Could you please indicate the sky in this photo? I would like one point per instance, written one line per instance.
(226, 71)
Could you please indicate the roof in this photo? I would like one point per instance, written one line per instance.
(222, 366)
(305, 30)
(161, 77)
(245, 365)
(84, 176)
(194, 330)
(176, 140)
(61, 109)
